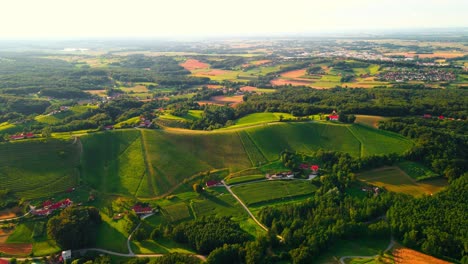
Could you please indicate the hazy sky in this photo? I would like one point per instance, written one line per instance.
(153, 18)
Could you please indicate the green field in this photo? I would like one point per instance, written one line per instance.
(355, 247)
(258, 118)
(374, 141)
(57, 118)
(145, 163)
(247, 178)
(177, 212)
(172, 157)
(303, 137)
(192, 115)
(396, 180)
(113, 162)
(35, 168)
(417, 171)
(258, 193)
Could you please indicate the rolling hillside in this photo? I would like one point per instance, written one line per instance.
(147, 163)
(36, 169)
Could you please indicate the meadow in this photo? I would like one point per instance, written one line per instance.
(396, 180)
(260, 193)
(417, 171)
(37, 168)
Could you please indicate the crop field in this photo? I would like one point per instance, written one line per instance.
(173, 156)
(354, 247)
(56, 118)
(113, 162)
(34, 169)
(192, 64)
(217, 202)
(416, 171)
(369, 120)
(222, 100)
(192, 115)
(255, 155)
(378, 141)
(242, 179)
(258, 118)
(177, 212)
(303, 137)
(404, 255)
(396, 180)
(269, 191)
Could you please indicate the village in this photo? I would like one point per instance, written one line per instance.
(427, 75)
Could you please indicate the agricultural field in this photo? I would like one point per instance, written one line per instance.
(192, 115)
(57, 118)
(374, 141)
(354, 247)
(174, 156)
(404, 255)
(396, 180)
(113, 162)
(222, 100)
(258, 118)
(417, 171)
(52, 167)
(255, 155)
(243, 179)
(368, 120)
(260, 193)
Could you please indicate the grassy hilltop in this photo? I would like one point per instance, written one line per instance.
(146, 163)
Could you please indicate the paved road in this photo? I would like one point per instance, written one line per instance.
(342, 259)
(245, 207)
(130, 253)
(15, 218)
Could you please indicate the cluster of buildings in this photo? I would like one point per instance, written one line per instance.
(22, 136)
(280, 176)
(48, 207)
(209, 184)
(431, 75)
(62, 109)
(144, 122)
(440, 117)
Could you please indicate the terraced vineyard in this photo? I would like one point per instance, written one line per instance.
(35, 169)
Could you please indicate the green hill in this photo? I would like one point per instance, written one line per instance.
(36, 168)
(146, 163)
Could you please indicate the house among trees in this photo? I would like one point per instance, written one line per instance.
(334, 116)
(427, 116)
(140, 209)
(212, 184)
(49, 207)
(110, 127)
(145, 122)
(22, 136)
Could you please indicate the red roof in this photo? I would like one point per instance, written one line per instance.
(427, 115)
(333, 117)
(441, 117)
(29, 135)
(4, 261)
(314, 167)
(47, 203)
(140, 209)
(211, 183)
(17, 137)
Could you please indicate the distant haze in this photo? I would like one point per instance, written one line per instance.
(162, 18)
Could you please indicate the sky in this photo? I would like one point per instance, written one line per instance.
(165, 18)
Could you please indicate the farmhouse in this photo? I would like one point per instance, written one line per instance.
(333, 117)
(314, 169)
(22, 136)
(212, 183)
(110, 127)
(139, 209)
(49, 207)
(281, 175)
